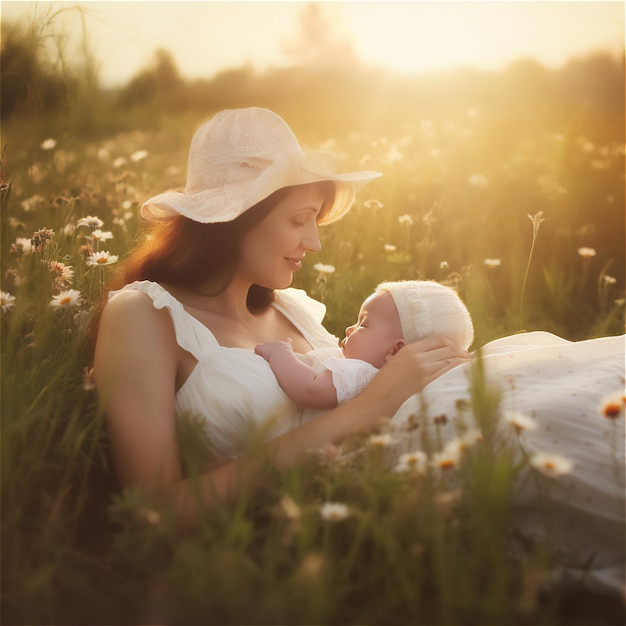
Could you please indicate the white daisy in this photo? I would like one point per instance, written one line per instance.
(552, 465)
(380, 441)
(139, 155)
(412, 462)
(519, 421)
(66, 299)
(90, 221)
(24, 244)
(334, 511)
(101, 258)
(450, 456)
(102, 235)
(7, 301)
(586, 253)
(48, 144)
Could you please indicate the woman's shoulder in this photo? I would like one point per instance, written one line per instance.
(145, 296)
(148, 309)
(134, 309)
(140, 290)
(131, 308)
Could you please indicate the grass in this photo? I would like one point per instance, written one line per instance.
(433, 547)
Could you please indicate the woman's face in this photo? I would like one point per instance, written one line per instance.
(274, 249)
(377, 333)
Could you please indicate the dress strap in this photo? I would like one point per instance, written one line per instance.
(306, 314)
(191, 335)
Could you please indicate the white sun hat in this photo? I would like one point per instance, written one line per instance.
(428, 308)
(240, 157)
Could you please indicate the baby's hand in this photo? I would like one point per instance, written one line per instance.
(267, 349)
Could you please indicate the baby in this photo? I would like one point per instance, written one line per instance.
(396, 313)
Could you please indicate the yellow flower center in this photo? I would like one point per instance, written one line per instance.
(66, 300)
(102, 260)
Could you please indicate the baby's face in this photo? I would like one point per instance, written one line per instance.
(376, 332)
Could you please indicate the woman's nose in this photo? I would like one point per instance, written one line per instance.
(311, 241)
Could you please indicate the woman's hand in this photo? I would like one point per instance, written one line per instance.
(430, 358)
(411, 369)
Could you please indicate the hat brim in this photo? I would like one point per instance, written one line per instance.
(228, 201)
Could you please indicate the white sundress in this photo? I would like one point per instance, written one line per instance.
(562, 385)
(233, 390)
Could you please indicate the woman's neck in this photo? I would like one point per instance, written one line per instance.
(230, 302)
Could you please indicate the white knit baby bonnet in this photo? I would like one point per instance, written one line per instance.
(429, 308)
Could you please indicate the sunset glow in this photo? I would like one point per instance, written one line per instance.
(408, 37)
(427, 36)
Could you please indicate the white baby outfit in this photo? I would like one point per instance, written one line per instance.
(350, 376)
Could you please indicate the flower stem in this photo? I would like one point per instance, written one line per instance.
(536, 220)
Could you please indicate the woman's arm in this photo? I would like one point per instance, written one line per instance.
(305, 386)
(136, 365)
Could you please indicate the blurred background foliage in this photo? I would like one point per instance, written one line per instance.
(474, 152)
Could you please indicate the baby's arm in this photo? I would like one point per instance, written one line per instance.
(299, 381)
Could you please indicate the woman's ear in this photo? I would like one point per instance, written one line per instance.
(395, 348)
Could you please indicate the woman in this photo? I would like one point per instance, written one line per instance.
(206, 287)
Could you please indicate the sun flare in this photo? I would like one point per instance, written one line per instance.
(413, 37)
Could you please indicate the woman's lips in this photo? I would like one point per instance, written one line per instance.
(295, 264)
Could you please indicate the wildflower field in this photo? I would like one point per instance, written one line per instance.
(520, 206)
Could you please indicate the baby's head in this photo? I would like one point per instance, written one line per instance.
(403, 312)
(428, 308)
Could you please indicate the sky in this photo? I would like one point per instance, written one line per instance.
(205, 38)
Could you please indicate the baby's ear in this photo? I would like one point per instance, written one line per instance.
(395, 347)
